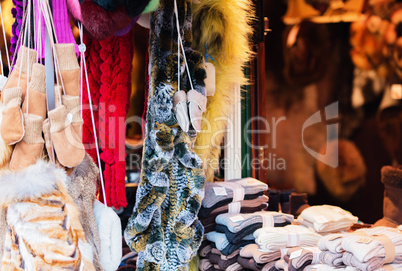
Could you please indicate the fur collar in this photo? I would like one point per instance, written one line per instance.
(32, 182)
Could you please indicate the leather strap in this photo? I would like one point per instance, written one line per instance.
(388, 247)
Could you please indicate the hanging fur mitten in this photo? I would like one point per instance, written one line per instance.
(109, 226)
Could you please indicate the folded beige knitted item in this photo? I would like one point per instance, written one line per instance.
(253, 251)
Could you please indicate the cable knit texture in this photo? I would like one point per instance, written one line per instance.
(109, 68)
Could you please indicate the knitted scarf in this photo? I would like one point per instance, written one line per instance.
(164, 228)
(109, 72)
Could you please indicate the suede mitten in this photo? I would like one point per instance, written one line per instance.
(72, 105)
(69, 68)
(19, 75)
(12, 125)
(30, 148)
(35, 100)
(68, 147)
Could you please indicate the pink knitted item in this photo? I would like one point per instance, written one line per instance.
(61, 19)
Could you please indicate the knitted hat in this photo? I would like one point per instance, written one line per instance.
(101, 24)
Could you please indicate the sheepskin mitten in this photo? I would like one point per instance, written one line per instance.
(12, 125)
(391, 177)
(67, 144)
(19, 75)
(69, 68)
(48, 141)
(30, 148)
(35, 100)
(72, 104)
(180, 109)
(197, 104)
(109, 226)
(82, 186)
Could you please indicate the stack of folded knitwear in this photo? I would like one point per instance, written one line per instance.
(235, 196)
(365, 249)
(326, 219)
(272, 240)
(298, 258)
(235, 231)
(230, 197)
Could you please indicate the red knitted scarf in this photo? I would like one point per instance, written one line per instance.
(109, 74)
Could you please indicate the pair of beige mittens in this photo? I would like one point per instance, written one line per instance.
(24, 114)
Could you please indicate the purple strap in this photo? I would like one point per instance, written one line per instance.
(61, 24)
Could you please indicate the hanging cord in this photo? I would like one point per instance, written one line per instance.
(208, 55)
(82, 49)
(5, 42)
(28, 39)
(46, 10)
(181, 43)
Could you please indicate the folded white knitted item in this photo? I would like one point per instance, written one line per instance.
(365, 248)
(232, 189)
(237, 222)
(281, 265)
(327, 218)
(371, 265)
(325, 267)
(272, 239)
(330, 258)
(332, 242)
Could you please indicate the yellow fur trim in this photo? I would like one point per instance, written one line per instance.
(5, 150)
(225, 27)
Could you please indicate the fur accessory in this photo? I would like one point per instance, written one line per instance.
(45, 208)
(216, 24)
(82, 185)
(164, 228)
